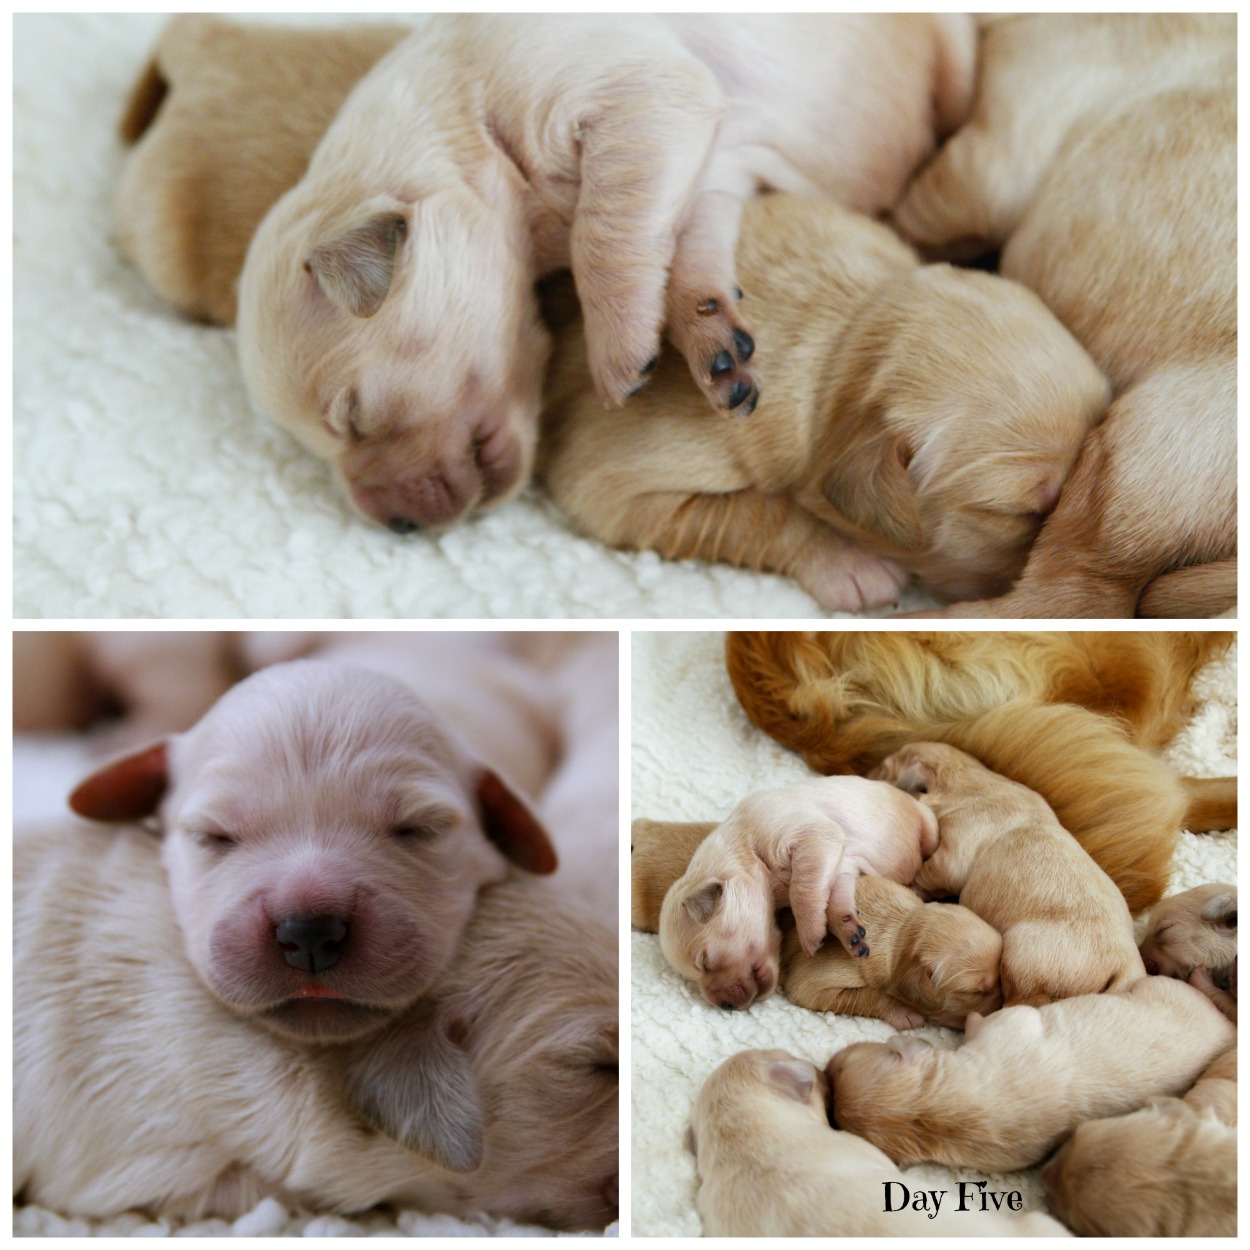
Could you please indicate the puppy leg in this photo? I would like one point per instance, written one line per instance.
(703, 322)
(862, 1001)
(842, 917)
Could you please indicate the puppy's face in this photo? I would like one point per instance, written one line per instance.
(325, 842)
(1196, 929)
(973, 403)
(873, 1087)
(928, 769)
(950, 964)
(714, 932)
(399, 339)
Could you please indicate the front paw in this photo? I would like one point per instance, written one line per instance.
(705, 326)
(852, 935)
(903, 1018)
(622, 355)
(850, 581)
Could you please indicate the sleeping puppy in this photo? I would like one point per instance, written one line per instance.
(134, 1089)
(886, 444)
(387, 317)
(1025, 1077)
(1193, 936)
(930, 962)
(1066, 928)
(1168, 1170)
(761, 1114)
(325, 838)
(1144, 108)
(804, 847)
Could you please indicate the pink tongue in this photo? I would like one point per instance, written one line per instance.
(316, 991)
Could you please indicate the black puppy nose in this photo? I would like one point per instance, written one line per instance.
(311, 943)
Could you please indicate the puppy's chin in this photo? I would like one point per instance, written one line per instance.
(322, 1019)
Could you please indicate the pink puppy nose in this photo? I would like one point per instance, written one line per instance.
(311, 943)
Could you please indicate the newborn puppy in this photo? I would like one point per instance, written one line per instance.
(933, 962)
(886, 443)
(1025, 1077)
(1193, 936)
(804, 847)
(1066, 928)
(387, 316)
(133, 1089)
(770, 1166)
(325, 839)
(659, 853)
(1168, 1170)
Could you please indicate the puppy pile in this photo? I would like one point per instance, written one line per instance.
(1060, 1054)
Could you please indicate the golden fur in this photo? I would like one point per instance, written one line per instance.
(917, 420)
(1168, 1170)
(1193, 936)
(660, 852)
(1077, 717)
(1025, 1077)
(1066, 928)
(1101, 157)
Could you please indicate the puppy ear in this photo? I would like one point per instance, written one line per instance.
(792, 1077)
(1221, 910)
(416, 1086)
(871, 488)
(355, 268)
(916, 776)
(909, 1048)
(512, 827)
(702, 904)
(126, 789)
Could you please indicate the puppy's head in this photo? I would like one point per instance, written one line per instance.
(398, 338)
(931, 769)
(949, 959)
(1196, 929)
(715, 932)
(967, 404)
(324, 841)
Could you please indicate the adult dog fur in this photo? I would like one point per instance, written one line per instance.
(883, 446)
(770, 1165)
(1066, 928)
(1101, 157)
(386, 311)
(1025, 1077)
(1077, 717)
(136, 1089)
(1168, 1170)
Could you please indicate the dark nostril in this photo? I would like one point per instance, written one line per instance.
(311, 943)
(401, 525)
(726, 1006)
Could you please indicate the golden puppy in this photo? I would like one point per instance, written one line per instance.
(1142, 108)
(846, 700)
(660, 852)
(930, 962)
(1193, 936)
(1168, 1170)
(886, 443)
(224, 118)
(804, 847)
(770, 1165)
(1025, 1077)
(1066, 928)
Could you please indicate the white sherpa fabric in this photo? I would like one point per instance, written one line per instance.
(46, 767)
(695, 755)
(145, 486)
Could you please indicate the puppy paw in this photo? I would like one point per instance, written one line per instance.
(705, 326)
(622, 350)
(852, 935)
(845, 580)
(903, 1018)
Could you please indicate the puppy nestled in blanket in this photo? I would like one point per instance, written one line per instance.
(1087, 1044)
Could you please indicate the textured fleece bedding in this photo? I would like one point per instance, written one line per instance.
(694, 755)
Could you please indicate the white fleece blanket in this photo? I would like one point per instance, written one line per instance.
(145, 486)
(694, 756)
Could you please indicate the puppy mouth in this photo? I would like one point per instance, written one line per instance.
(317, 1014)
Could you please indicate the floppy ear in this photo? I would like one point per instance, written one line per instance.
(794, 1078)
(916, 777)
(126, 789)
(909, 1048)
(415, 1085)
(355, 268)
(512, 827)
(701, 905)
(869, 485)
(1221, 910)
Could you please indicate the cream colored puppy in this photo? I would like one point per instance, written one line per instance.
(386, 311)
(930, 962)
(1025, 1077)
(325, 838)
(770, 1166)
(1101, 157)
(134, 1089)
(1066, 928)
(1168, 1170)
(1193, 935)
(804, 847)
(918, 420)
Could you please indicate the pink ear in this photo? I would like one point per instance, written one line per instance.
(512, 827)
(126, 789)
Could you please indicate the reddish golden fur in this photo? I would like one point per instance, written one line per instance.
(1074, 716)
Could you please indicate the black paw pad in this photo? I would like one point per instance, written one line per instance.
(744, 345)
(722, 362)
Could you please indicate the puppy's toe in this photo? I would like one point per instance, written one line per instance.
(707, 329)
